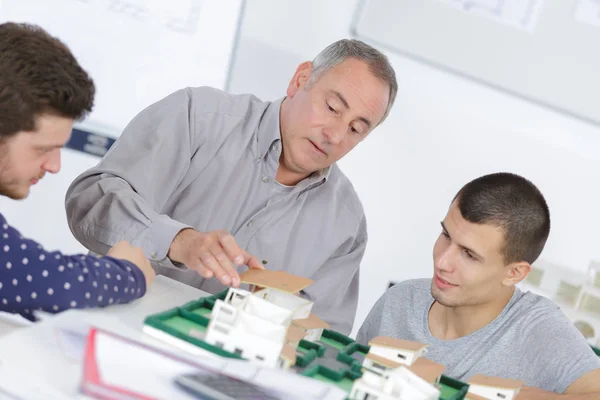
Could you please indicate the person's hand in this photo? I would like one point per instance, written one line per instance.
(211, 254)
(125, 251)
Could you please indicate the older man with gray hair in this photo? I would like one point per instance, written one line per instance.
(207, 182)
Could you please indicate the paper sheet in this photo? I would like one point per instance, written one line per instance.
(521, 14)
(588, 12)
(138, 51)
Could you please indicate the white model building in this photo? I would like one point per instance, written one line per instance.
(255, 330)
(313, 327)
(396, 384)
(400, 351)
(493, 388)
(258, 325)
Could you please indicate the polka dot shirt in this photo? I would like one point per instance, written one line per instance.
(34, 279)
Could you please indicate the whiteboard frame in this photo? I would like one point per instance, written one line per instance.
(360, 30)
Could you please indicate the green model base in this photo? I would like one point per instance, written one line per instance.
(335, 358)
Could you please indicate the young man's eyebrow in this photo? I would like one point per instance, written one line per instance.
(474, 253)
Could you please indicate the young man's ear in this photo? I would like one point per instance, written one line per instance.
(516, 272)
(300, 78)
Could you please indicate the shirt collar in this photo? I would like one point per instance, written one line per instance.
(269, 130)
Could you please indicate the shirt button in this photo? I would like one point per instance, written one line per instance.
(265, 179)
(275, 147)
(154, 255)
(249, 224)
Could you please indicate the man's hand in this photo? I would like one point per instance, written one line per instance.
(211, 254)
(125, 251)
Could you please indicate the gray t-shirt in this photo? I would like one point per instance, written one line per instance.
(530, 340)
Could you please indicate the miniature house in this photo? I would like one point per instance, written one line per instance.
(378, 365)
(256, 331)
(287, 357)
(493, 388)
(300, 307)
(313, 327)
(428, 370)
(398, 384)
(294, 335)
(398, 350)
(280, 280)
(279, 287)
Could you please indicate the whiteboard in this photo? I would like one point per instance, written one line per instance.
(138, 51)
(547, 51)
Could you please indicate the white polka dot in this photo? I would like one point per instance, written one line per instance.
(44, 273)
(42, 257)
(5, 226)
(131, 279)
(82, 258)
(0, 285)
(25, 261)
(110, 301)
(126, 290)
(105, 286)
(67, 285)
(96, 264)
(107, 265)
(33, 295)
(88, 295)
(8, 265)
(61, 268)
(39, 246)
(139, 290)
(4, 301)
(23, 246)
(50, 291)
(107, 275)
(18, 299)
(73, 304)
(128, 269)
(99, 298)
(80, 278)
(15, 282)
(5, 236)
(95, 284)
(55, 308)
(57, 256)
(85, 270)
(116, 288)
(29, 278)
(6, 248)
(26, 311)
(118, 277)
(70, 265)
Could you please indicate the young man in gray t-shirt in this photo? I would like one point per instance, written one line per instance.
(471, 314)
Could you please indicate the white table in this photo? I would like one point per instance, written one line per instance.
(35, 363)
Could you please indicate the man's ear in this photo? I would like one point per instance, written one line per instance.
(300, 78)
(516, 272)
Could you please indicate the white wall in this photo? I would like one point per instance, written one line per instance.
(443, 132)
